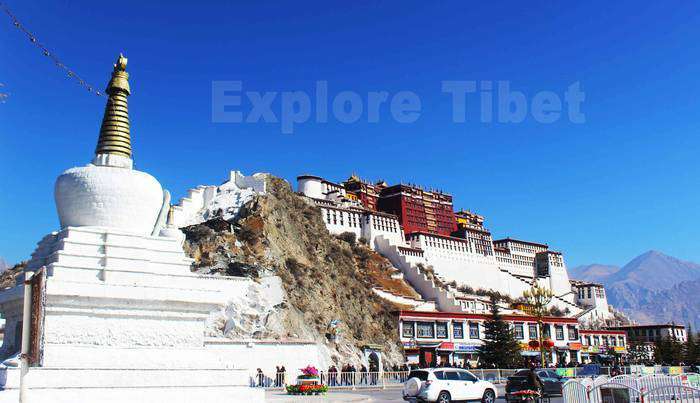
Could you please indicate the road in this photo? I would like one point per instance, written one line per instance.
(392, 395)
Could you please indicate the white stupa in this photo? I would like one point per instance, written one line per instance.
(112, 312)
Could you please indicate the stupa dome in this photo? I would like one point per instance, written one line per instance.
(109, 193)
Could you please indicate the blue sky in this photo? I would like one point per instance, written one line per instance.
(604, 191)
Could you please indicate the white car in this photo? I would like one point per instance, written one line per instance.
(444, 385)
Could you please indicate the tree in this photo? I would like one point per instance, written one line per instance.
(668, 351)
(538, 298)
(638, 351)
(691, 348)
(500, 349)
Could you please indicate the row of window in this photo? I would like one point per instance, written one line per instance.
(603, 340)
(585, 292)
(339, 218)
(384, 224)
(437, 330)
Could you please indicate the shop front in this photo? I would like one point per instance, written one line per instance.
(428, 354)
(466, 354)
(444, 352)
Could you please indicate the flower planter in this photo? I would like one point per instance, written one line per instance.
(308, 381)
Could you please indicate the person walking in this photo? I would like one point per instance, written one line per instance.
(533, 381)
(261, 378)
(363, 376)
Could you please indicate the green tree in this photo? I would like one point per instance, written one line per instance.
(691, 348)
(500, 349)
(668, 351)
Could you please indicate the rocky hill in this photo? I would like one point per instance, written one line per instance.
(651, 288)
(7, 277)
(325, 278)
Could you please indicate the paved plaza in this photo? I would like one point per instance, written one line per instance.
(391, 395)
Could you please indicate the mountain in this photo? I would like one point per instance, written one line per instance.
(654, 270)
(651, 288)
(596, 273)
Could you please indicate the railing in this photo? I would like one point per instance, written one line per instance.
(336, 380)
(359, 379)
(629, 388)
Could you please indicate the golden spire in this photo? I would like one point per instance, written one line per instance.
(115, 136)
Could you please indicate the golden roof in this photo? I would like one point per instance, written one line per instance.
(115, 132)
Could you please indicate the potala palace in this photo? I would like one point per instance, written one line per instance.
(413, 227)
(446, 256)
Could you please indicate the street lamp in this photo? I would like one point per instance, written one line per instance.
(538, 298)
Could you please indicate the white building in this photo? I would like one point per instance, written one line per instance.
(440, 337)
(593, 297)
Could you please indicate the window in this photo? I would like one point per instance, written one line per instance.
(452, 375)
(532, 329)
(473, 330)
(466, 376)
(519, 331)
(621, 340)
(458, 330)
(425, 330)
(546, 331)
(439, 375)
(573, 332)
(408, 330)
(441, 330)
(559, 329)
(596, 341)
(587, 341)
(422, 375)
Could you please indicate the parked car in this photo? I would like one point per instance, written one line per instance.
(551, 383)
(445, 385)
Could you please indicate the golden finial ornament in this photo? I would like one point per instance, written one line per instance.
(115, 134)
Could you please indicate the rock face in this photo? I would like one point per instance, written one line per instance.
(7, 277)
(325, 278)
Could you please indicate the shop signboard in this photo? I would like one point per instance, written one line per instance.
(446, 345)
(692, 380)
(565, 372)
(636, 369)
(675, 370)
(466, 348)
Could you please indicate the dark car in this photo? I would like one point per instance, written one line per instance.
(551, 382)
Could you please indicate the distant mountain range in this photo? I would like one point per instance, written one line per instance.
(651, 288)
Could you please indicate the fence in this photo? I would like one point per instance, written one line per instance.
(355, 380)
(337, 380)
(654, 388)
